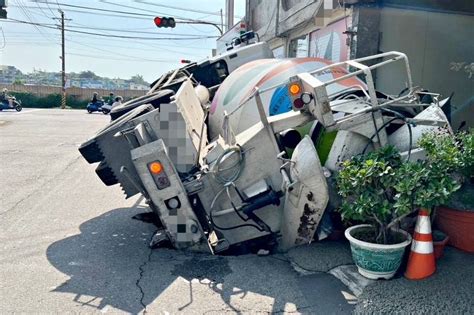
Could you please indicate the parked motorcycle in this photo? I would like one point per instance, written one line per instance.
(16, 104)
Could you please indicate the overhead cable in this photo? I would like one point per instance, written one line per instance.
(116, 36)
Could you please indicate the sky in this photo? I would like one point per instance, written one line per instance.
(30, 47)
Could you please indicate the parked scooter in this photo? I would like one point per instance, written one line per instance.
(15, 104)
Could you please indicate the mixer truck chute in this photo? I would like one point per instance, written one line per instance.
(217, 171)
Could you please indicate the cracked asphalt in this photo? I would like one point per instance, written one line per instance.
(68, 244)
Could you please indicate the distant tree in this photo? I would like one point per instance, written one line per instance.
(88, 75)
(18, 81)
(138, 79)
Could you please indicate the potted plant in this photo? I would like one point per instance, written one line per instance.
(366, 184)
(380, 189)
(455, 154)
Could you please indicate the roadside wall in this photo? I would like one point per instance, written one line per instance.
(77, 93)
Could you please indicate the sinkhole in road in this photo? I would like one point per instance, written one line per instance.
(266, 243)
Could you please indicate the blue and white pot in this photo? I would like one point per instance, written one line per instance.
(376, 261)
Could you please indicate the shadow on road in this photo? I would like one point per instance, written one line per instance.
(109, 264)
(102, 261)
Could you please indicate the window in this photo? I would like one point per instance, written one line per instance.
(299, 47)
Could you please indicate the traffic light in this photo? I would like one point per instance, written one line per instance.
(3, 12)
(161, 21)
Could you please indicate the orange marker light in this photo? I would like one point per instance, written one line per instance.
(295, 88)
(155, 168)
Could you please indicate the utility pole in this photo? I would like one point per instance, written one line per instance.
(229, 11)
(222, 21)
(63, 61)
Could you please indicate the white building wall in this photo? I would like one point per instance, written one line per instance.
(282, 25)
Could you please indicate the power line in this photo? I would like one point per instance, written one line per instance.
(25, 41)
(131, 31)
(44, 13)
(120, 11)
(121, 59)
(29, 43)
(125, 48)
(138, 37)
(29, 35)
(97, 9)
(25, 13)
(136, 31)
(50, 10)
(147, 45)
(161, 48)
(180, 8)
(94, 13)
(115, 36)
(164, 14)
(117, 53)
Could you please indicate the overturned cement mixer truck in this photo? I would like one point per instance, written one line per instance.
(227, 155)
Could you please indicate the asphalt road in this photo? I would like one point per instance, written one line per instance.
(69, 244)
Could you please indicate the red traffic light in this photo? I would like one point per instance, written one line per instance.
(158, 21)
(164, 21)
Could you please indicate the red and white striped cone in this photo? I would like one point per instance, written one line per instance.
(421, 263)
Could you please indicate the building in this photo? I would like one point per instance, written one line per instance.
(8, 74)
(436, 35)
(137, 86)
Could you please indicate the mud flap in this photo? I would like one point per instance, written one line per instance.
(306, 201)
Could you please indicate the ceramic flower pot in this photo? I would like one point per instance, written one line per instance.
(376, 261)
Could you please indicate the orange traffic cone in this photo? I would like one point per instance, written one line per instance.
(421, 263)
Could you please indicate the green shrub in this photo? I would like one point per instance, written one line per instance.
(466, 143)
(450, 153)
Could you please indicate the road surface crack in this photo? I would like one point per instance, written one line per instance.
(141, 268)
